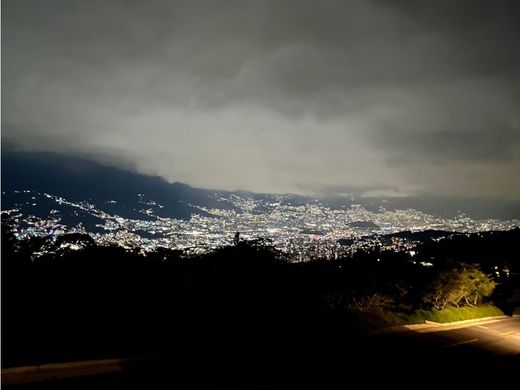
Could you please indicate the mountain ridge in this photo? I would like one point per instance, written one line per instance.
(80, 178)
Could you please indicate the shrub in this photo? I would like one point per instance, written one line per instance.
(451, 314)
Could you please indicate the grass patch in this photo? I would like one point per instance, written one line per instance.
(451, 314)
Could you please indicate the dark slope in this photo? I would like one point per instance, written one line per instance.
(79, 180)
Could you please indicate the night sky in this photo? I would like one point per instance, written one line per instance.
(366, 97)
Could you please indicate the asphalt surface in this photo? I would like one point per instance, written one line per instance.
(500, 338)
(473, 354)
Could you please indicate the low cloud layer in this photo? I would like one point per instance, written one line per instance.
(386, 97)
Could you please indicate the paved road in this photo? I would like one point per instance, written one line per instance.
(472, 354)
(496, 337)
(479, 353)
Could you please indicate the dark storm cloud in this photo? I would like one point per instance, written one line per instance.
(495, 142)
(416, 96)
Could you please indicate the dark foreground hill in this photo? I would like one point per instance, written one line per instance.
(101, 302)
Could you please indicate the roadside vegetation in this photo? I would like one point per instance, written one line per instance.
(451, 314)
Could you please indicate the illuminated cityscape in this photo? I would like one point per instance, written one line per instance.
(305, 231)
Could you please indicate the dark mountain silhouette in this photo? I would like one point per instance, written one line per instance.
(81, 179)
(110, 189)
